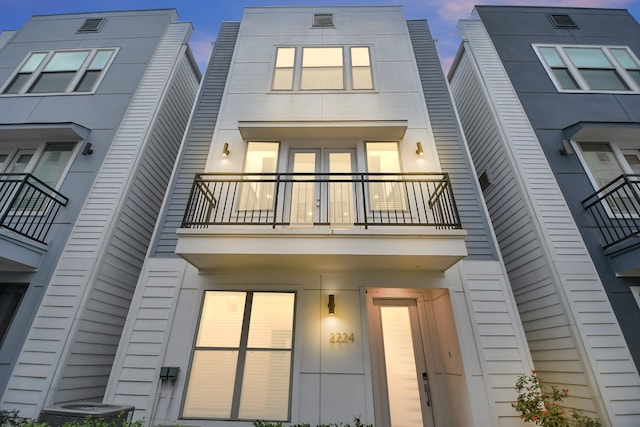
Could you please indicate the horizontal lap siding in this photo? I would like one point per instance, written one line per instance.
(119, 271)
(197, 140)
(544, 254)
(77, 328)
(135, 369)
(529, 273)
(448, 138)
(501, 345)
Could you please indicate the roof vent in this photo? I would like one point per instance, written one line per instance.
(91, 25)
(322, 20)
(562, 21)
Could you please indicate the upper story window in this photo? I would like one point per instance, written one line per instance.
(322, 68)
(46, 162)
(604, 163)
(591, 68)
(70, 71)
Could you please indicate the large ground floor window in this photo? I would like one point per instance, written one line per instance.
(241, 366)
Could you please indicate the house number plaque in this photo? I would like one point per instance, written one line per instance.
(341, 337)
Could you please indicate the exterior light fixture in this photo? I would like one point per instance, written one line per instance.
(332, 305)
(87, 150)
(419, 151)
(225, 149)
(566, 149)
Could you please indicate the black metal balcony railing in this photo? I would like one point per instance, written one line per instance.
(28, 206)
(335, 199)
(616, 209)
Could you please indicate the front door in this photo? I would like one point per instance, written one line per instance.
(402, 393)
(326, 198)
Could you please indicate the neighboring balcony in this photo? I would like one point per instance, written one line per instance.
(328, 221)
(28, 209)
(615, 209)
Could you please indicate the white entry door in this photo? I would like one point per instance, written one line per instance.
(328, 199)
(402, 393)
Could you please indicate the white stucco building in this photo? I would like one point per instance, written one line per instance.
(333, 256)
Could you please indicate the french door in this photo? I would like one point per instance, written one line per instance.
(317, 196)
(402, 392)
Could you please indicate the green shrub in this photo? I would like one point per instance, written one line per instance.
(543, 407)
(356, 423)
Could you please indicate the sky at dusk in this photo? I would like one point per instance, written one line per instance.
(206, 16)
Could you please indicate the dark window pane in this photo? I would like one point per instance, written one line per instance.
(603, 79)
(635, 74)
(10, 298)
(565, 78)
(17, 83)
(52, 82)
(87, 81)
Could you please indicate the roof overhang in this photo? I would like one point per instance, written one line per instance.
(379, 130)
(67, 131)
(602, 131)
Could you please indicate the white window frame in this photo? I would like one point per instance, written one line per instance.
(577, 75)
(38, 150)
(242, 349)
(635, 291)
(25, 89)
(618, 154)
(347, 70)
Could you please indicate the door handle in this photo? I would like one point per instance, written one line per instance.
(427, 389)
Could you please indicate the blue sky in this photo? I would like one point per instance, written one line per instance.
(207, 15)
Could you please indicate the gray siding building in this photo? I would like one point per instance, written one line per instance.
(323, 252)
(93, 107)
(549, 99)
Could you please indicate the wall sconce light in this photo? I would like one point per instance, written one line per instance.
(566, 149)
(225, 150)
(419, 151)
(87, 150)
(332, 305)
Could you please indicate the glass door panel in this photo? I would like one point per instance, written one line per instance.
(401, 382)
(605, 168)
(328, 198)
(303, 194)
(400, 362)
(341, 209)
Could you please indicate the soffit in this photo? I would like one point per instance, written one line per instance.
(379, 130)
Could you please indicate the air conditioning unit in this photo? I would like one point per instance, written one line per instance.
(58, 415)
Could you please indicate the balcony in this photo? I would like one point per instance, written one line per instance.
(28, 208)
(615, 209)
(328, 221)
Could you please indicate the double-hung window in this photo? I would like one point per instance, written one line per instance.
(241, 367)
(69, 71)
(575, 68)
(322, 68)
